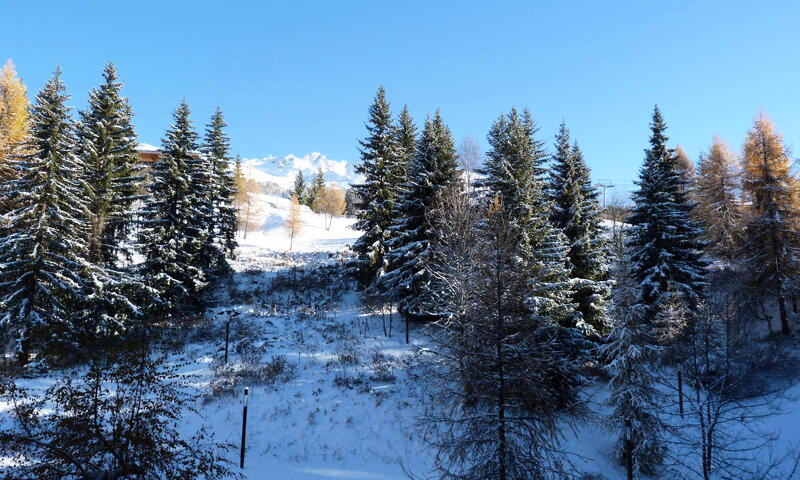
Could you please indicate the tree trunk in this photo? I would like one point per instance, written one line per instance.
(784, 319)
(680, 392)
(501, 400)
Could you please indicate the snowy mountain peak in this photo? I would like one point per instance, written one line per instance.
(283, 170)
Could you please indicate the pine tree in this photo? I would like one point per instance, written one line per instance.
(379, 160)
(107, 149)
(216, 148)
(575, 210)
(300, 187)
(513, 172)
(664, 245)
(433, 168)
(406, 141)
(630, 355)
(42, 238)
(718, 206)
(170, 239)
(496, 366)
(772, 242)
(315, 188)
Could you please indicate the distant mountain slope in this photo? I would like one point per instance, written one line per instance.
(282, 171)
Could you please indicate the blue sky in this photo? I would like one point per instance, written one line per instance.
(296, 77)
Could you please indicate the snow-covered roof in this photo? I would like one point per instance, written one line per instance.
(147, 148)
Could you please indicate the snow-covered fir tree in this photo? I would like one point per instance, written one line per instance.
(513, 172)
(216, 148)
(630, 356)
(317, 184)
(406, 140)
(42, 238)
(379, 159)
(664, 239)
(107, 149)
(171, 239)
(433, 168)
(299, 187)
(505, 380)
(575, 210)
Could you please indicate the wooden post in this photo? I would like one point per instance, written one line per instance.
(244, 427)
(227, 335)
(628, 449)
(680, 392)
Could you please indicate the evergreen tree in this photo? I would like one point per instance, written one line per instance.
(406, 141)
(107, 149)
(42, 238)
(772, 242)
(299, 187)
(630, 355)
(664, 245)
(718, 206)
(496, 367)
(171, 240)
(379, 159)
(432, 169)
(317, 185)
(575, 210)
(216, 148)
(513, 172)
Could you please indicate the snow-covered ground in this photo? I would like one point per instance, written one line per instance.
(343, 391)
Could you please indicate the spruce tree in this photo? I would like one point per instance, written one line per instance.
(630, 359)
(506, 380)
(771, 241)
(171, 239)
(378, 193)
(107, 149)
(315, 188)
(216, 148)
(42, 237)
(575, 210)
(406, 141)
(664, 240)
(299, 190)
(433, 168)
(513, 172)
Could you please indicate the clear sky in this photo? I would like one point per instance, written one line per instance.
(296, 76)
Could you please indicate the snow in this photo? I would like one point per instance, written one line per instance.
(336, 419)
(313, 236)
(147, 148)
(283, 170)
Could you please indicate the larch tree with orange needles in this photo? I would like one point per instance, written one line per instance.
(772, 240)
(294, 221)
(717, 195)
(14, 117)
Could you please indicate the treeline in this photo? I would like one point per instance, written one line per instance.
(96, 247)
(512, 267)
